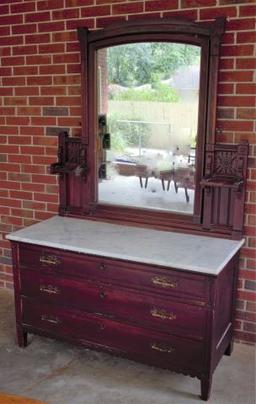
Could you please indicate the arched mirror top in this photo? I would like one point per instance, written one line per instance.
(145, 133)
(166, 29)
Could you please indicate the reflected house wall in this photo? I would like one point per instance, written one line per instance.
(186, 83)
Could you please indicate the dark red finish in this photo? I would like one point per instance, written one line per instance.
(157, 313)
(127, 339)
(173, 319)
(21, 333)
(224, 185)
(130, 274)
(82, 36)
(72, 168)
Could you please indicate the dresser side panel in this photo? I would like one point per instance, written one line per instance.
(224, 308)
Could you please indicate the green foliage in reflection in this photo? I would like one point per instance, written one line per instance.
(159, 92)
(125, 133)
(136, 64)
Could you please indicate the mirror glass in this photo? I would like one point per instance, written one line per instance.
(147, 96)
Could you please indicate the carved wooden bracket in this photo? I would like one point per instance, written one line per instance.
(73, 170)
(71, 156)
(224, 185)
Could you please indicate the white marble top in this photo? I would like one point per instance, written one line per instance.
(175, 250)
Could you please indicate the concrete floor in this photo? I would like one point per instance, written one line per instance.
(59, 373)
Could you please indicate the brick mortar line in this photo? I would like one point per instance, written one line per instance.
(107, 16)
(122, 14)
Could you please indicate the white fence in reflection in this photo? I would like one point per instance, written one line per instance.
(170, 124)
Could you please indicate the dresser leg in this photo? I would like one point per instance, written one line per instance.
(206, 384)
(22, 338)
(229, 349)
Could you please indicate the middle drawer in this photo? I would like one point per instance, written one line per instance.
(115, 302)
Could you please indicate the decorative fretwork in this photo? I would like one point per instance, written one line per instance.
(225, 163)
(224, 186)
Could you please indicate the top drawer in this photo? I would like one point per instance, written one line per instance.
(127, 274)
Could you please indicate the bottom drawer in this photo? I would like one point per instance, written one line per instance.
(134, 342)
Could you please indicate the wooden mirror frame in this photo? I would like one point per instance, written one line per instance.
(221, 169)
(168, 30)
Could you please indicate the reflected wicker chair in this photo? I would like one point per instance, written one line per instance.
(166, 175)
(184, 177)
(126, 169)
(143, 171)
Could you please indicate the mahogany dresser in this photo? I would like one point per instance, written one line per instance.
(157, 297)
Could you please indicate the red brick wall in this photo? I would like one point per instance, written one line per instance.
(40, 93)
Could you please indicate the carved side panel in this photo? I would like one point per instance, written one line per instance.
(76, 155)
(72, 168)
(224, 187)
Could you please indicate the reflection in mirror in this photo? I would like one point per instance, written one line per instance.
(147, 125)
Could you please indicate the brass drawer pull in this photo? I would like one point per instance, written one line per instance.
(50, 319)
(50, 289)
(102, 266)
(49, 260)
(162, 349)
(164, 315)
(164, 282)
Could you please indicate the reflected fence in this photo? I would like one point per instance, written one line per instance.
(157, 125)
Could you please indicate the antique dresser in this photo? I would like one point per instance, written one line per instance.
(155, 283)
(162, 298)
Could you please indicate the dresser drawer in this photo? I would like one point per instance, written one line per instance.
(138, 343)
(167, 315)
(159, 280)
